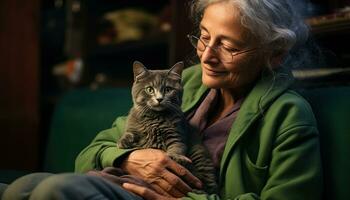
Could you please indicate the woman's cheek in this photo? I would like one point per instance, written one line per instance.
(199, 55)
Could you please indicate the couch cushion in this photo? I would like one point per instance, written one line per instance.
(78, 117)
(331, 106)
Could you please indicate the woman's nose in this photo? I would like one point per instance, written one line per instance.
(209, 55)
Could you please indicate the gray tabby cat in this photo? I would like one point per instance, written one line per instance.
(156, 121)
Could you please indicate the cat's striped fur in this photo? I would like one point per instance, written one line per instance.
(156, 121)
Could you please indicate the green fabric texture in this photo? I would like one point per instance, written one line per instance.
(79, 115)
(272, 151)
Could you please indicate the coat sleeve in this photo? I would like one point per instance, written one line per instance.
(102, 151)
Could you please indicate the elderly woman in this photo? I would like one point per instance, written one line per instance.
(261, 135)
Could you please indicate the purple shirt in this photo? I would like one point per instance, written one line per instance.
(214, 136)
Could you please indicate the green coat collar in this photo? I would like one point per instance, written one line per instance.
(268, 88)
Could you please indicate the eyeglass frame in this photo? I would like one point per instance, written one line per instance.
(216, 49)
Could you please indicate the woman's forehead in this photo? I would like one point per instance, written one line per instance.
(223, 19)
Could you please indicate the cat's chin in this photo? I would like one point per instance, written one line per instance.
(157, 108)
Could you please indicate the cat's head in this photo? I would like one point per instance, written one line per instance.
(157, 90)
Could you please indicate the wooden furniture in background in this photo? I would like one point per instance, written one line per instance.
(19, 84)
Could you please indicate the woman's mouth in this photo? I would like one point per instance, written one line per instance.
(212, 72)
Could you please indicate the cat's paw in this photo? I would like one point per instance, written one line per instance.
(121, 145)
(182, 160)
(127, 141)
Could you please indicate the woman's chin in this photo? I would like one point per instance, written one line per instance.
(212, 82)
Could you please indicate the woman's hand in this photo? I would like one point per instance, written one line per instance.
(145, 193)
(157, 168)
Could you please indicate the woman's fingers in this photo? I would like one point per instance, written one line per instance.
(184, 174)
(174, 185)
(157, 168)
(141, 191)
(159, 190)
(168, 187)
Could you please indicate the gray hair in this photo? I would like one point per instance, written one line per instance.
(275, 23)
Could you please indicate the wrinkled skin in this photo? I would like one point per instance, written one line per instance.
(157, 169)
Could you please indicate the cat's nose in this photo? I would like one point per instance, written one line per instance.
(159, 100)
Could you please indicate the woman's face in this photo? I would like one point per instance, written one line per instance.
(221, 27)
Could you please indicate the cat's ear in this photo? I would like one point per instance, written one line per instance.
(177, 68)
(139, 70)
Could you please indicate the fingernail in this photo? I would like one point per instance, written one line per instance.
(126, 185)
(199, 184)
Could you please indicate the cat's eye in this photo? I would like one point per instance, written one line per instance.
(168, 89)
(149, 90)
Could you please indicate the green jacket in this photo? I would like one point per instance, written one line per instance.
(272, 151)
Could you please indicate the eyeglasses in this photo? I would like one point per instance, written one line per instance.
(224, 54)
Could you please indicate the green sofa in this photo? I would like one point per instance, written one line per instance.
(82, 113)
(331, 106)
(79, 116)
